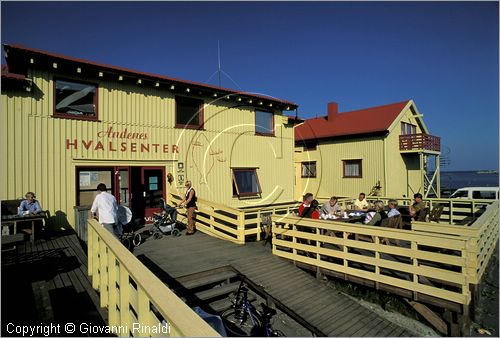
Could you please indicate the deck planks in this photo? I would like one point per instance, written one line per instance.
(53, 271)
(328, 311)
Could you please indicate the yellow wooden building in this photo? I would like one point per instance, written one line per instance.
(69, 124)
(385, 150)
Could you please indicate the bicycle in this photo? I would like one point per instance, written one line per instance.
(243, 319)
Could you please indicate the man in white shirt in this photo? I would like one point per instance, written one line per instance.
(361, 203)
(106, 207)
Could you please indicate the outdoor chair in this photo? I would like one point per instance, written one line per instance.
(435, 214)
(395, 222)
(266, 226)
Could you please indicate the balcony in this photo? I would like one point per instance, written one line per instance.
(419, 142)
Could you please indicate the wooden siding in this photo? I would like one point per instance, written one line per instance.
(36, 158)
(329, 156)
(399, 174)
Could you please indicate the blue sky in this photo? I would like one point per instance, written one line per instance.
(444, 55)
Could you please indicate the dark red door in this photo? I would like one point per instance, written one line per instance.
(153, 183)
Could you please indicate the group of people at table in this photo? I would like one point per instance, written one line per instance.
(372, 214)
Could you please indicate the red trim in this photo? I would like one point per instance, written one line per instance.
(127, 71)
(75, 117)
(149, 211)
(360, 168)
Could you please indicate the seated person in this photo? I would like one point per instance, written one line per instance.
(417, 209)
(306, 202)
(379, 214)
(331, 207)
(30, 205)
(361, 203)
(392, 209)
(311, 211)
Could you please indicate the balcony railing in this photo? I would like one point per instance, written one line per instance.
(419, 142)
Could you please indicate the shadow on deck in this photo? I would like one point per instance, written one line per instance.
(47, 282)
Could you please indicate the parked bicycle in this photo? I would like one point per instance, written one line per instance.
(244, 320)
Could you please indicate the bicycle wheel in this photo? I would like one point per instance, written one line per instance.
(235, 327)
(137, 239)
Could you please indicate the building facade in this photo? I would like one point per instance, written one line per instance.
(69, 124)
(385, 150)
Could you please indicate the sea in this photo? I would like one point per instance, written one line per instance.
(453, 180)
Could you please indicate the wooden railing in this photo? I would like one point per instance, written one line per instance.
(236, 225)
(455, 211)
(432, 265)
(442, 261)
(138, 303)
(419, 142)
(216, 219)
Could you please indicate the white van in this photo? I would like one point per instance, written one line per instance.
(488, 193)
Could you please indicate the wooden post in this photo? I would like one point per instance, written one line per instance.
(241, 227)
(259, 225)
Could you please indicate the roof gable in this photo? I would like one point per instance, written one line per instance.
(357, 122)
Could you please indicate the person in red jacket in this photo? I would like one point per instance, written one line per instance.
(311, 211)
(306, 202)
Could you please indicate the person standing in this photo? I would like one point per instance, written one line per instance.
(189, 201)
(106, 208)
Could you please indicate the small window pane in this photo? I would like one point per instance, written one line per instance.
(403, 128)
(264, 122)
(245, 182)
(309, 169)
(188, 111)
(352, 168)
(75, 99)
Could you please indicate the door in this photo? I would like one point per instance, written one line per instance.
(122, 186)
(153, 184)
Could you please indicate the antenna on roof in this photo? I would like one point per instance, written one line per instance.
(218, 58)
(219, 70)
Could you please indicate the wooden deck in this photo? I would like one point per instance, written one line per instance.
(319, 308)
(47, 282)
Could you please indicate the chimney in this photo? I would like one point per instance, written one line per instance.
(333, 109)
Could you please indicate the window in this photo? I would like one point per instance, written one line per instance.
(308, 169)
(484, 194)
(188, 112)
(352, 168)
(408, 129)
(75, 100)
(88, 179)
(246, 183)
(264, 123)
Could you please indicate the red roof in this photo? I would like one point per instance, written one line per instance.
(8, 75)
(126, 71)
(363, 121)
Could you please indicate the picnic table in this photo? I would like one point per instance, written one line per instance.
(14, 219)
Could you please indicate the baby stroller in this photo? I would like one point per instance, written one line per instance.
(129, 237)
(165, 222)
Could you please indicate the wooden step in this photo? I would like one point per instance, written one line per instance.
(219, 277)
(217, 292)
